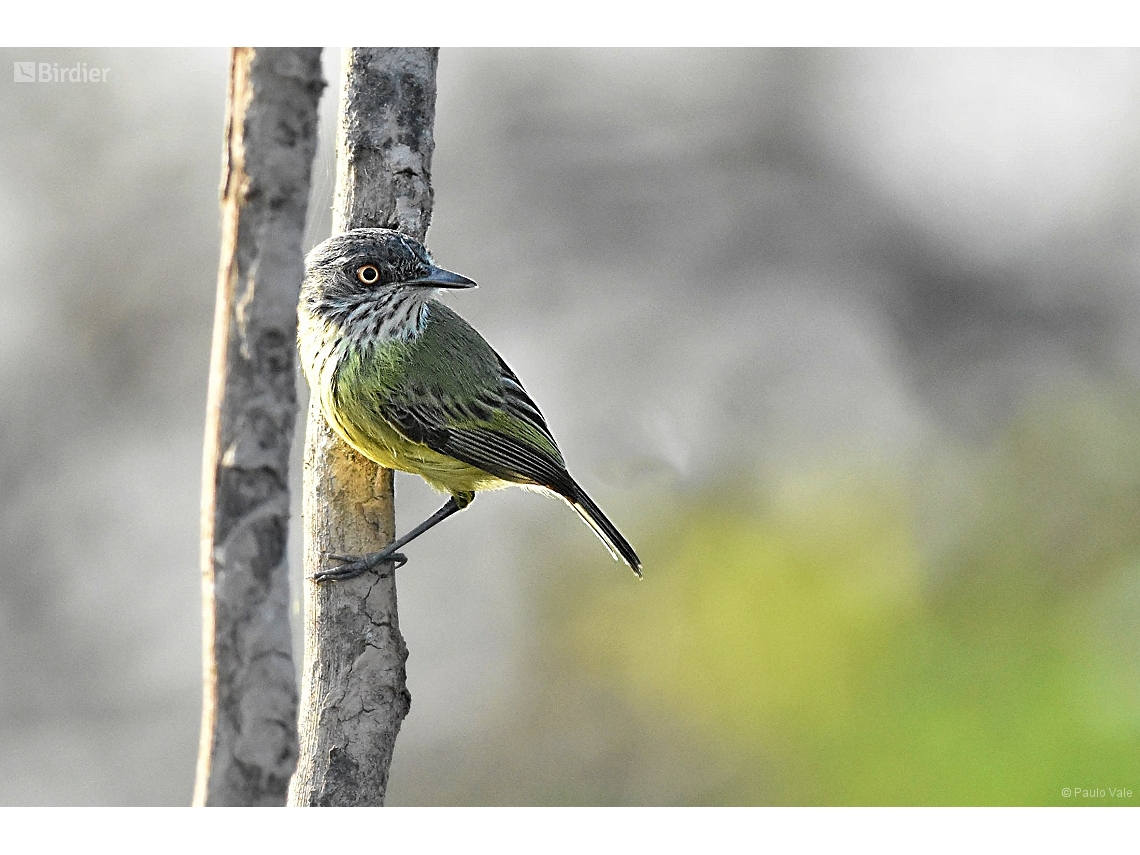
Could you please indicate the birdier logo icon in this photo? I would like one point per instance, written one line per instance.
(53, 72)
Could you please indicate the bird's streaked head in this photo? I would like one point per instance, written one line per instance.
(373, 284)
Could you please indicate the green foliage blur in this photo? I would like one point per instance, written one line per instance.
(955, 629)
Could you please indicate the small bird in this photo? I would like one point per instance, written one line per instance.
(412, 386)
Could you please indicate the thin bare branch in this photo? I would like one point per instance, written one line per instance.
(249, 738)
(354, 692)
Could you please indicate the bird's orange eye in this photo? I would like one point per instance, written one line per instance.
(369, 274)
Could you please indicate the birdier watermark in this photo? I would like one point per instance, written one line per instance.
(1096, 793)
(53, 72)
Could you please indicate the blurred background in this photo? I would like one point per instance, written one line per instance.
(843, 340)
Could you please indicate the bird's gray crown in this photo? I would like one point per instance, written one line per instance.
(397, 257)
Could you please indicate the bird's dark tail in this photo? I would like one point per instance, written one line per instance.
(617, 545)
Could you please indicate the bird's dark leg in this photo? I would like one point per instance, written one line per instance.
(363, 564)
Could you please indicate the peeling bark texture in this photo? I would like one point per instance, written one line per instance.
(248, 747)
(385, 141)
(354, 692)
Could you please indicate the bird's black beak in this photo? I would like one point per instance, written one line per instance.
(437, 277)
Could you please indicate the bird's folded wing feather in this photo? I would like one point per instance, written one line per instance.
(497, 429)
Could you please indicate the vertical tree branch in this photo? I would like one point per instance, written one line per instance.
(354, 694)
(249, 739)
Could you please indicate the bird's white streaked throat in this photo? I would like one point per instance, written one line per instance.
(376, 318)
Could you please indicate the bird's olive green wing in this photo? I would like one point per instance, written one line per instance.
(456, 395)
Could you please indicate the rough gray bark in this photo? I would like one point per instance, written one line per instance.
(248, 746)
(354, 694)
